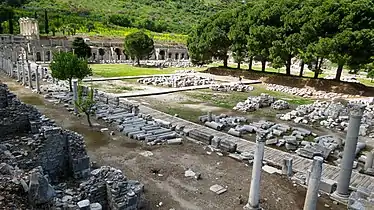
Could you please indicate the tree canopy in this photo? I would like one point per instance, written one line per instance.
(81, 49)
(66, 66)
(278, 31)
(139, 46)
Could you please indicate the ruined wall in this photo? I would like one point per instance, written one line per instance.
(38, 159)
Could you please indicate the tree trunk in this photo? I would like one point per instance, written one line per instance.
(138, 61)
(316, 73)
(250, 63)
(70, 85)
(301, 68)
(320, 64)
(238, 65)
(339, 72)
(263, 65)
(88, 119)
(316, 66)
(53, 33)
(225, 62)
(288, 66)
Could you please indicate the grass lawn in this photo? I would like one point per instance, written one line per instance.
(366, 82)
(118, 70)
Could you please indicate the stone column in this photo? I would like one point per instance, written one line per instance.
(23, 72)
(29, 73)
(287, 167)
(75, 94)
(42, 73)
(210, 116)
(254, 193)
(313, 184)
(11, 68)
(349, 151)
(369, 160)
(37, 80)
(43, 56)
(18, 73)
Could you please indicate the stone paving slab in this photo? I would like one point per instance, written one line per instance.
(271, 155)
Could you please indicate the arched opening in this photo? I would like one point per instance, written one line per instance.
(48, 54)
(169, 55)
(102, 53)
(162, 55)
(118, 53)
(182, 56)
(38, 56)
(93, 56)
(176, 56)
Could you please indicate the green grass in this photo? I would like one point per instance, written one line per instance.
(182, 112)
(118, 70)
(367, 82)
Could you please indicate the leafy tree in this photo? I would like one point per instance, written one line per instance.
(238, 36)
(139, 45)
(66, 66)
(85, 103)
(81, 49)
(10, 21)
(46, 24)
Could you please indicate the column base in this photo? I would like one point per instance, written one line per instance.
(249, 207)
(343, 199)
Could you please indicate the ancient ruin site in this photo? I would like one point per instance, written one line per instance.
(100, 122)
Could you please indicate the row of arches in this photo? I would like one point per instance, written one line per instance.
(119, 54)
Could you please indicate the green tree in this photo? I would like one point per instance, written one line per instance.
(81, 48)
(139, 45)
(85, 103)
(66, 66)
(46, 24)
(10, 21)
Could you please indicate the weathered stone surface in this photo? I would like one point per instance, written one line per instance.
(40, 191)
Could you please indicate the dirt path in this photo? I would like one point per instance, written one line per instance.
(163, 172)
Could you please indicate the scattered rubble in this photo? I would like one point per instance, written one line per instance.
(331, 115)
(254, 103)
(231, 87)
(177, 81)
(306, 92)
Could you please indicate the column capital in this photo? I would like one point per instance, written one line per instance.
(261, 135)
(356, 109)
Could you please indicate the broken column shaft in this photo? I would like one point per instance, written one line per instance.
(313, 184)
(75, 95)
(349, 151)
(254, 193)
(369, 160)
(37, 81)
(29, 73)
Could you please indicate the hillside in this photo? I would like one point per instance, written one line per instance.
(165, 20)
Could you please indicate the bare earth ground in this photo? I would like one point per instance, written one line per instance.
(171, 187)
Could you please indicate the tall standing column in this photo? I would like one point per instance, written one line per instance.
(37, 80)
(42, 72)
(43, 55)
(254, 193)
(313, 184)
(11, 68)
(29, 73)
(349, 151)
(75, 94)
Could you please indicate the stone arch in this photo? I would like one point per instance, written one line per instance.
(38, 56)
(162, 55)
(48, 54)
(118, 53)
(176, 56)
(169, 55)
(101, 53)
